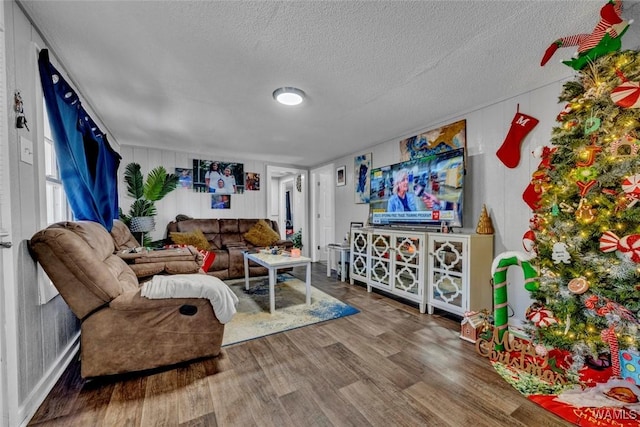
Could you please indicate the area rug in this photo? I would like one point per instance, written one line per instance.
(253, 319)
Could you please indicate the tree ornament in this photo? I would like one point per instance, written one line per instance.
(627, 94)
(539, 179)
(631, 188)
(628, 246)
(541, 316)
(570, 124)
(591, 125)
(532, 195)
(529, 242)
(566, 110)
(588, 156)
(609, 336)
(625, 147)
(585, 186)
(560, 253)
(585, 212)
(544, 153)
(509, 151)
(541, 350)
(578, 285)
(564, 207)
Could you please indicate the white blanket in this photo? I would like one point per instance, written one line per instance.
(223, 300)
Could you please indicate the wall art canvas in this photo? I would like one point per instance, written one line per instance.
(341, 176)
(185, 177)
(445, 138)
(220, 201)
(252, 181)
(212, 176)
(362, 167)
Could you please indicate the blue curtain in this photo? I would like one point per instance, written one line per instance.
(88, 164)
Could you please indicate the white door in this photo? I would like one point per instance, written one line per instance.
(8, 363)
(323, 218)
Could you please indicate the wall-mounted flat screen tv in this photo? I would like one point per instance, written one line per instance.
(426, 191)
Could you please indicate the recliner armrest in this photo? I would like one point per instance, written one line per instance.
(133, 301)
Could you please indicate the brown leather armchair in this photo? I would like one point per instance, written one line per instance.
(121, 331)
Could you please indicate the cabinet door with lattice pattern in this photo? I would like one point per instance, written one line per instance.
(381, 255)
(448, 260)
(359, 255)
(408, 262)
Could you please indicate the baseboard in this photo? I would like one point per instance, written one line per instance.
(48, 381)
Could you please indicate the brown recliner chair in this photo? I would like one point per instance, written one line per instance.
(121, 331)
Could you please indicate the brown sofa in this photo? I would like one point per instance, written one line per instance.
(147, 263)
(121, 331)
(227, 241)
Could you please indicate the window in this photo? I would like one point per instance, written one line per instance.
(56, 199)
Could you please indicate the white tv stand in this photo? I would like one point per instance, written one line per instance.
(449, 271)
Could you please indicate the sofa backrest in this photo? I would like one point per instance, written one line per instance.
(78, 258)
(219, 232)
(122, 237)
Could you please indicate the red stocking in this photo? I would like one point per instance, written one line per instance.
(532, 196)
(521, 125)
(533, 193)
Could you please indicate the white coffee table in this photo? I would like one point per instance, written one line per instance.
(273, 263)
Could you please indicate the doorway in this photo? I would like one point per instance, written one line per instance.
(287, 200)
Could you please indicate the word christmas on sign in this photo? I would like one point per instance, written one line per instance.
(520, 355)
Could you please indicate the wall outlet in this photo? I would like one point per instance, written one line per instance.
(26, 150)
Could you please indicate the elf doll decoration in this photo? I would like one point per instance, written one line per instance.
(605, 38)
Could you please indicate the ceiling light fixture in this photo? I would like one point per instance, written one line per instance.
(288, 95)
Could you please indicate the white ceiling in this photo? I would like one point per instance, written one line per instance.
(197, 76)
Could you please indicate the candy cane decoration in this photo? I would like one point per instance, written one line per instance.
(499, 269)
(609, 336)
(631, 186)
(629, 245)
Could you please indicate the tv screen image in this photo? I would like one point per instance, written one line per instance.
(425, 191)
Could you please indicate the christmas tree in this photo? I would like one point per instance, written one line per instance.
(587, 220)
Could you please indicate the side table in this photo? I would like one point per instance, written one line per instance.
(343, 251)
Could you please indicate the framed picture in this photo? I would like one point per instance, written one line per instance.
(435, 141)
(362, 166)
(185, 177)
(341, 176)
(212, 176)
(220, 201)
(252, 181)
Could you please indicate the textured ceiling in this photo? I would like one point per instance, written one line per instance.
(197, 76)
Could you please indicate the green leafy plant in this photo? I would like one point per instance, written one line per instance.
(296, 239)
(158, 184)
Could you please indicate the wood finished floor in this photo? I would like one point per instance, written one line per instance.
(386, 366)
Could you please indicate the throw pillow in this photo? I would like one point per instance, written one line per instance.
(209, 257)
(194, 238)
(261, 234)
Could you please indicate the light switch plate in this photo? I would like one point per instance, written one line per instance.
(26, 150)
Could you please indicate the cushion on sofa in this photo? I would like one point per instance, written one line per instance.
(261, 234)
(194, 238)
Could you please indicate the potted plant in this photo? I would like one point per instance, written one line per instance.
(296, 239)
(158, 184)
